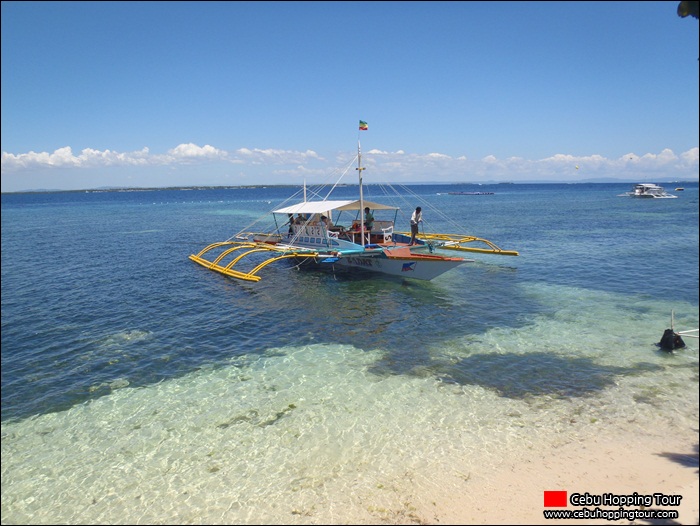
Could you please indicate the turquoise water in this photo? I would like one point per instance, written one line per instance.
(139, 387)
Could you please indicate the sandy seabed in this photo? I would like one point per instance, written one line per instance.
(377, 451)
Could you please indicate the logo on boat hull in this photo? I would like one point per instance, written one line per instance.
(360, 262)
(408, 267)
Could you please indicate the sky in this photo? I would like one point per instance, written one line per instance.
(163, 94)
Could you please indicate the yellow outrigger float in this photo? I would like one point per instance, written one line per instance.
(310, 233)
(456, 242)
(246, 249)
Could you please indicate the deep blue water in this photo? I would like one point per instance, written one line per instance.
(98, 293)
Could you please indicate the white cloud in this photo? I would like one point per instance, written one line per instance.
(192, 151)
(64, 157)
(690, 157)
(259, 156)
(439, 156)
(276, 166)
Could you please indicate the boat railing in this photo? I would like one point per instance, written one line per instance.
(378, 226)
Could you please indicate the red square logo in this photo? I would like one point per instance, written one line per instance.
(555, 499)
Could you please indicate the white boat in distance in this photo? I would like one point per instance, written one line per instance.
(311, 234)
(649, 191)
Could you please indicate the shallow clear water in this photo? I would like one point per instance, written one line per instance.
(139, 387)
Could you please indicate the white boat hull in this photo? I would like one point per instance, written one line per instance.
(415, 266)
(422, 270)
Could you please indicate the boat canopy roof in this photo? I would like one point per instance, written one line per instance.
(318, 207)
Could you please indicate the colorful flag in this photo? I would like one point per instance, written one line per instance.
(363, 125)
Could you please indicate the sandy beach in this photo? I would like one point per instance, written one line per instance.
(514, 493)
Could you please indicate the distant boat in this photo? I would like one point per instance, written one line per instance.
(470, 193)
(680, 189)
(648, 191)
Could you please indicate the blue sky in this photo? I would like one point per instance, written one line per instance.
(153, 94)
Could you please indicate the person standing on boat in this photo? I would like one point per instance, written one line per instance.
(369, 219)
(416, 217)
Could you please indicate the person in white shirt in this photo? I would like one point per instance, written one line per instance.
(416, 217)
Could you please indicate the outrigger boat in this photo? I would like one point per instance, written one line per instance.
(304, 232)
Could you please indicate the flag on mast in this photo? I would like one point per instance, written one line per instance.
(363, 125)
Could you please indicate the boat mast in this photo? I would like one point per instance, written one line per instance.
(362, 203)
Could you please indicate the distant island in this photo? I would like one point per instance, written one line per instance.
(151, 189)
(470, 193)
(437, 183)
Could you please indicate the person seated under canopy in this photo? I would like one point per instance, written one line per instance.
(326, 221)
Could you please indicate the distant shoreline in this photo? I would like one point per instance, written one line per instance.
(235, 187)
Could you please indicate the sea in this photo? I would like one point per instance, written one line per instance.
(139, 387)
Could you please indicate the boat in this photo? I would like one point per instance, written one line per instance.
(649, 191)
(470, 193)
(311, 233)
